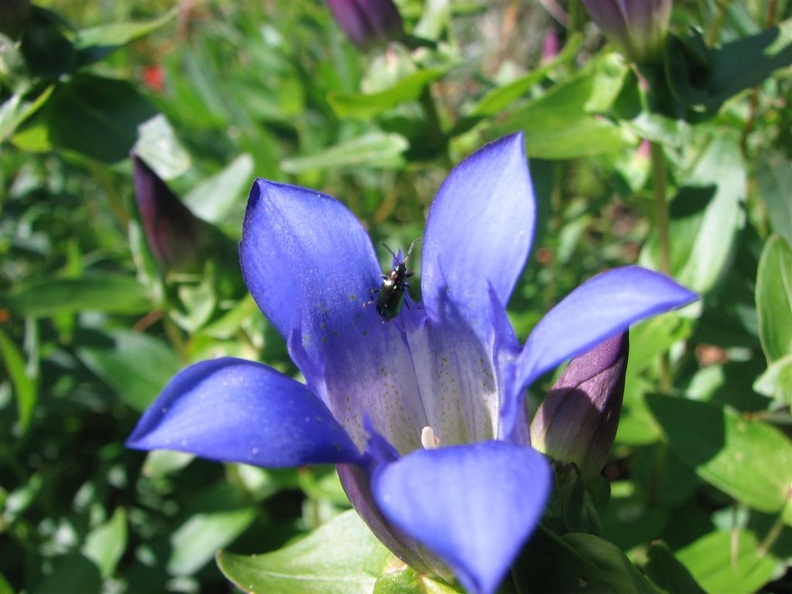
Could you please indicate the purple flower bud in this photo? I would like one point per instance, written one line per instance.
(368, 23)
(175, 235)
(577, 421)
(638, 27)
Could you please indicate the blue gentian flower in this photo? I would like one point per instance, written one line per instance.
(424, 414)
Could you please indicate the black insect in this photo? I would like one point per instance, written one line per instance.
(391, 295)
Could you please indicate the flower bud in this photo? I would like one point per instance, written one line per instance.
(578, 419)
(638, 27)
(368, 23)
(176, 236)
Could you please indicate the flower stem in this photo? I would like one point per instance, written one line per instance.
(434, 136)
(661, 206)
(664, 235)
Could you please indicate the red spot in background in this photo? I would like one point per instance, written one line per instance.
(154, 78)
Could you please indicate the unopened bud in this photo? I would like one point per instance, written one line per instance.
(637, 27)
(176, 236)
(368, 23)
(578, 419)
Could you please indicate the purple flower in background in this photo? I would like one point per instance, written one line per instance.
(638, 27)
(578, 419)
(177, 238)
(424, 414)
(368, 23)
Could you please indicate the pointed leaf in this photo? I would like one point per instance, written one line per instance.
(707, 215)
(667, 573)
(211, 521)
(365, 106)
(774, 298)
(577, 562)
(340, 557)
(135, 365)
(107, 542)
(721, 446)
(374, 149)
(729, 561)
(93, 292)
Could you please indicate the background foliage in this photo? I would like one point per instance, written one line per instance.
(213, 94)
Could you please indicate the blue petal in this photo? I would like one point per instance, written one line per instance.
(603, 306)
(479, 231)
(233, 410)
(472, 505)
(306, 260)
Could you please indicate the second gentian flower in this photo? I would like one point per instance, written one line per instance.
(424, 414)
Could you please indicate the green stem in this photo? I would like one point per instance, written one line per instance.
(664, 236)
(435, 138)
(661, 206)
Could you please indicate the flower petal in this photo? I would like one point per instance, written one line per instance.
(306, 259)
(601, 307)
(233, 410)
(479, 231)
(473, 505)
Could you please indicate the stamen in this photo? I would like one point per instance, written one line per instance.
(428, 439)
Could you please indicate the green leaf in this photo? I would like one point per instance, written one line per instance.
(774, 178)
(94, 292)
(375, 149)
(5, 587)
(749, 460)
(17, 108)
(774, 298)
(71, 573)
(25, 385)
(161, 463)
(340, 557)
(565, 123)
(211, 521)
(97, 43)
(667, 573)
(106, 543)
(366, 106)
(577, 562)
(215, 197)
(135, 365)
(160, 148)
(776, 381)
(502, 97)
(98, 117)
(707, 216)
(703, 78)
(728, 562)
(406, 580)
(48, 53)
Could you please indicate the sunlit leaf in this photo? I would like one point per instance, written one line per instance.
(749, 460)
(340, 557)
(374, 149)
(95, 292)
(728, 562)
(774, 298)
(135, 365)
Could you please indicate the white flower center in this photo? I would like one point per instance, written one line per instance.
(428, 439)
